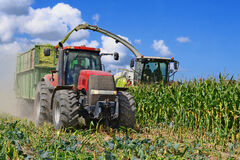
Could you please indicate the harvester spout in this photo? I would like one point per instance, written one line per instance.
(105, 32)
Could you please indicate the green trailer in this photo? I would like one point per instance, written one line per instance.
(31, 67)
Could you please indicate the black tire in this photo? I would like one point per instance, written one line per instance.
(66, 109)
(127, 110)
(42, 111)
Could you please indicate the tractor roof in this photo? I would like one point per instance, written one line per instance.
(82, 48)
(157, 58)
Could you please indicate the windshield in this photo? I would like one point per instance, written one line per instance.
(76, 60)
(154, 72)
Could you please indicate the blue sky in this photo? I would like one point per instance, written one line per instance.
(213, 28)
(209, 30)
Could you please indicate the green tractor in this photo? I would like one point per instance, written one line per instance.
(148, 70)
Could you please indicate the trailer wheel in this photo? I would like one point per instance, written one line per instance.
(42, 111)
(66, 109)
(127, 110)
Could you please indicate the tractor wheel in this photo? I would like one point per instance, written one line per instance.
(66, 109)
(127, 110)
(42, 111)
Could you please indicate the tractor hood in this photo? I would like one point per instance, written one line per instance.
(85, 75)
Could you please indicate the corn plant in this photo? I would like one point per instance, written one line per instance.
(211, 106)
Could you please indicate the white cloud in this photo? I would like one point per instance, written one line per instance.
(110, 46)
(183, 39)
(53, 23)
(43, 41)
(8, 26)
(117, 68)
(15, 47)
(43, 23)
(93, 44)
(96, 18)
(160, 47)
(79, 35)
(16, 7)
(67, 14)
(84, 42)
(138, 41)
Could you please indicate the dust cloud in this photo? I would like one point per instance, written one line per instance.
(9, 104)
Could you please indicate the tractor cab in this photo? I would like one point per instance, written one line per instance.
(72, 60)
(77, 59)
(147, 70)
(154, 69)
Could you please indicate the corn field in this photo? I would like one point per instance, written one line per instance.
(23, 140)
(196, 119)
(210, 106)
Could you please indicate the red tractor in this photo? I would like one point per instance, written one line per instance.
(79, 92)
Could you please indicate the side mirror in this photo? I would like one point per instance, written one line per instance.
(132, 63)
(176, 65)
(116, 56)
(60, 44)
(46, 52)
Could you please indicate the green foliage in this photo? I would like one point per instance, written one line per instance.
(189, 120)
(23, 140)
(147, 149)
(209, 106)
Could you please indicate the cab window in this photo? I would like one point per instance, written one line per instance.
(76, 60)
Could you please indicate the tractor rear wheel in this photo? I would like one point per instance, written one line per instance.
(42, 111)
(127, 110)
(66, 109)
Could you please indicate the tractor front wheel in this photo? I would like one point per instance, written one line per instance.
(127, 110)
(65, 109)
